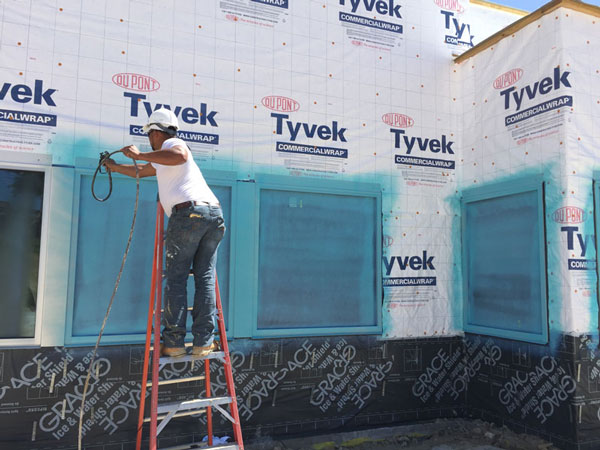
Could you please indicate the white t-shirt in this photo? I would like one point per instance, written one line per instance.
(183, 182)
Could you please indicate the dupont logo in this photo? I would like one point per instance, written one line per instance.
(508, 79)
(232, 17)
(569, 214)
(136, 82)
(281, 104)
(450, 5)
(357, 43)
(397, 120)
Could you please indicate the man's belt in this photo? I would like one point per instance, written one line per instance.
(187, 204)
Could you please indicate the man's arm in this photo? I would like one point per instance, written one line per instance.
(144, 170)
(173, 156)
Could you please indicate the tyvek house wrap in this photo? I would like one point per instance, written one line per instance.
(249, 81)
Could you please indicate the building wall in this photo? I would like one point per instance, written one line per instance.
(242, 66)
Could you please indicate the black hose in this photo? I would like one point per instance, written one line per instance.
(103, 157)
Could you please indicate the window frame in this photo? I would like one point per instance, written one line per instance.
(220, 178)
(317, 186)
(70, 339)
(596, 218)
(493, 191)
(36, 340)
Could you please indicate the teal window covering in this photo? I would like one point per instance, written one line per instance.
(317, 260)
(102, 232)
(504, 261)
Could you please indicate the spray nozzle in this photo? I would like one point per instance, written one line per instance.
(103, 156)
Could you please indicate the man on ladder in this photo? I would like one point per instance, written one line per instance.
(195, 229)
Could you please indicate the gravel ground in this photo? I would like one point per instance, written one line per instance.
(450, 434)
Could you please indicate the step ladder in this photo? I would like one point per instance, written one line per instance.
(167, 411)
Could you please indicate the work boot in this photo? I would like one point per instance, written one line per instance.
(171, 351)
(205, 351)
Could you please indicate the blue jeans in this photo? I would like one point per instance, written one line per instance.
(193, 236)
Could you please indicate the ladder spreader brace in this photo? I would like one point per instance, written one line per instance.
(168, 411)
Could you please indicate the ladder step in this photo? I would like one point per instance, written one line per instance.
(202, 445)
(185, 358)
(177, 380)
(224, 447)
(192, 404)
(181, 414)
(188, 345)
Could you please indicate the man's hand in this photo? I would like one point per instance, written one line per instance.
(143, 170)
(110, 164)
(131, 151)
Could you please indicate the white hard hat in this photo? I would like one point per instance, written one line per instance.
(162, 119)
